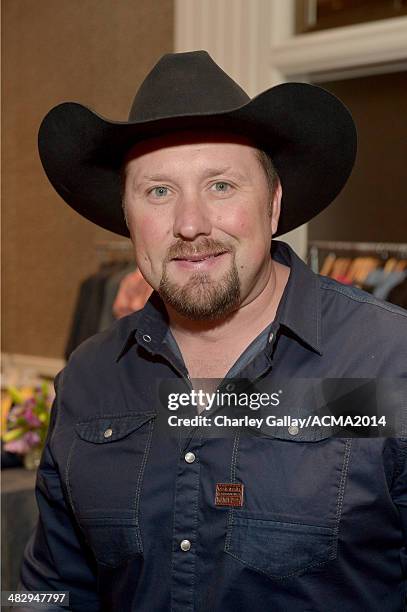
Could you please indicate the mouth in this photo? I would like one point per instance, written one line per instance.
(204, 261)
(201, 257)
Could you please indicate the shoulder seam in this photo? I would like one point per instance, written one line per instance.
(361, 299)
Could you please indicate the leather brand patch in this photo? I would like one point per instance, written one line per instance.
(229, 494)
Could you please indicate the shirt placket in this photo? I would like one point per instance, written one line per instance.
(184, 549)
(186, 500)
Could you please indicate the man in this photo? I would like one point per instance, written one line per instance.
(138, 515)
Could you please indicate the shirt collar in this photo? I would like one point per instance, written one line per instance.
(299, 309)
(300, 306)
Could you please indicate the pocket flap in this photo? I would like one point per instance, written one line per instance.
(106, 429)
(296, 433)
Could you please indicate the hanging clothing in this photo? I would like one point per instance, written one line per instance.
(90, 305)
(370, 273)
(112, 286)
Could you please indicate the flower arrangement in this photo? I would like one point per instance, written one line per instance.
(26, 419)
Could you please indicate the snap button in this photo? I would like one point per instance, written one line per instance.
(230, 387)
(293, 430)
(271, 336)
(185, 545)
(108, 432)
(190, 457)
(147, 338)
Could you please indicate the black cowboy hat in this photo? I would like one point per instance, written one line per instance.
(308, 132)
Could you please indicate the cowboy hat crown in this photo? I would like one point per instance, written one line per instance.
(175, 85)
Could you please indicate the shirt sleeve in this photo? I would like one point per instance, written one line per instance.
(56, 557)
(398, 493)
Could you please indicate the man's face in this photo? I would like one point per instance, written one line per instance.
(198, 210)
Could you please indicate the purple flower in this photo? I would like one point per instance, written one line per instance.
(15, 412)
(23, 445)
(32, 438)
(17, 446)
(31, 418)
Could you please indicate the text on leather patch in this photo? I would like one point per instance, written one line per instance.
(229, 494)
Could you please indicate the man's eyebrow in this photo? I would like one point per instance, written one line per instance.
(207, 174)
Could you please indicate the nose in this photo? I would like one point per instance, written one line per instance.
(191, 217)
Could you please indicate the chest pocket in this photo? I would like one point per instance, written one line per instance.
(104, 480)
(294, 487)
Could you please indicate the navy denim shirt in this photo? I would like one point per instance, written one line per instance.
(323, 525)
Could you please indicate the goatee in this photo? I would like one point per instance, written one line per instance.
(202, 298)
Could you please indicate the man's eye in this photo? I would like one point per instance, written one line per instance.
(159, 192)
(222, 186)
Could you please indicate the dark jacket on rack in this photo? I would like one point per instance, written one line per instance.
(91, 304)
(128, 517)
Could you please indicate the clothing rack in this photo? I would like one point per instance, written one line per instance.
(381, 249)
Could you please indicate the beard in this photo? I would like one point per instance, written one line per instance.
(202, 298)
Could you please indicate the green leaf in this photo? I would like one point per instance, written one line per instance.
(15, 395)
(13, 434)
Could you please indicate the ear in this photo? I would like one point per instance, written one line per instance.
(276, 208)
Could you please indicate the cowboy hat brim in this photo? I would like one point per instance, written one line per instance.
(309, 134)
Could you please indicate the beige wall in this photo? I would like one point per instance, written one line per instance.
(92, 51)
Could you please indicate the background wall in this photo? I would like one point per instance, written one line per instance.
(95, 52)
(372, 206)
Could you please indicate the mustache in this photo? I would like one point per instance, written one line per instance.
(184, 249)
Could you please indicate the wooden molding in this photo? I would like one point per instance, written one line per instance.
(358, 47)
(26, 369)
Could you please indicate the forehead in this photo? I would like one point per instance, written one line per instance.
(195, 143)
